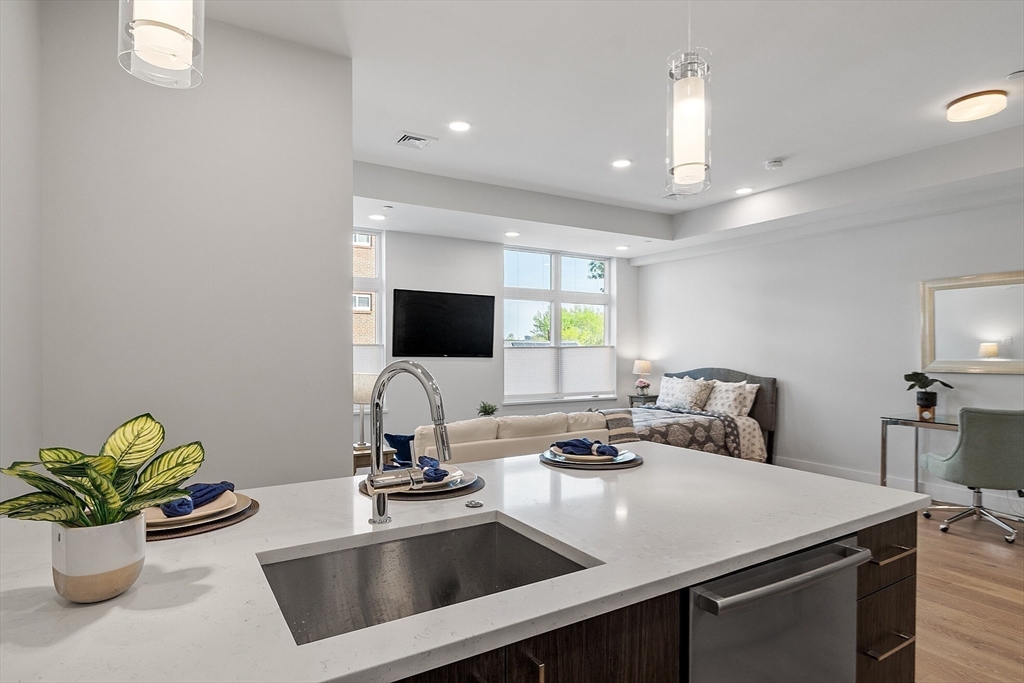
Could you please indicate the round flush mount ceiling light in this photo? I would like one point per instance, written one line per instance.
(976, 106)
(621, 248)
(377, 216)
(161, 41)
(744, 190)
(622, 163)
(459, 126)
(512, 233)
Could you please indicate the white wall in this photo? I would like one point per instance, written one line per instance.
(197, 249)
(414, 261)
(20, 236)
(836, 318)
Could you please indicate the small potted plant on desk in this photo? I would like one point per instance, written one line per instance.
(98, 536)
(926, 400)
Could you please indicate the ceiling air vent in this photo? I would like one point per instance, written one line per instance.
(414, 140)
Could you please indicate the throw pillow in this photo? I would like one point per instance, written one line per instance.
(684, 393)
(751, 393)
(727, 397)
(620, 426)
(402, 443)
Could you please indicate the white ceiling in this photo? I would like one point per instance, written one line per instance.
(556, 90)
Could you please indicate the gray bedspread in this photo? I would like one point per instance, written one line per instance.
(709, 432)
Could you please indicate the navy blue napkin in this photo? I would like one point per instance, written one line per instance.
(199, 495)
(585, 446)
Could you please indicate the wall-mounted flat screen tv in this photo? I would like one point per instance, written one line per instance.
(442, 325)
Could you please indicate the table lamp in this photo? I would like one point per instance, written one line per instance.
(642, 367)
(988, 350)
(362, 394)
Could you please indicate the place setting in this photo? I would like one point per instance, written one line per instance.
(584, 454)
(438, 482)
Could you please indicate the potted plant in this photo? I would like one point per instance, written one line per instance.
(486, 409)
(98, 536)
(642, 387)
(926, 400)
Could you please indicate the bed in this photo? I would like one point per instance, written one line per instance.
(749, 438)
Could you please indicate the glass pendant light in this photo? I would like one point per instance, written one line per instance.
(688, 154)
(161, 41)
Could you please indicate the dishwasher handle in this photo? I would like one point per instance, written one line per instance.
(847, 557)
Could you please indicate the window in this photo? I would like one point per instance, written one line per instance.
(558, 326)
(367, 301)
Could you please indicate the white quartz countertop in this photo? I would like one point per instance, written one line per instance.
(203, 610)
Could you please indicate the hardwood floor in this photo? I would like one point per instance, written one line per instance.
(970, 603)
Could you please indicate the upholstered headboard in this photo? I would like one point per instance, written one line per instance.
(765, 402)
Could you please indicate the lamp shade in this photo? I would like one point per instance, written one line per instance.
(362, 388)
(988, 350)
(161, 41)
(641, 367)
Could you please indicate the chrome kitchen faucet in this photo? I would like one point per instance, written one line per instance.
(379, 483)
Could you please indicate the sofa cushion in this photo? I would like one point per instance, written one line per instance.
(402, 443)
(463, 431)
(620, 426)
(579, 422)
(514, 426)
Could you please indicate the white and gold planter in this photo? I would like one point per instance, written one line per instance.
(96, 563)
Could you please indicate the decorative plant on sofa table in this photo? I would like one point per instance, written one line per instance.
(486, 409)
(926, 400)
(89, 493)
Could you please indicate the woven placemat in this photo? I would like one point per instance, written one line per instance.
(636, 462)
(440, 495)
(163, 534)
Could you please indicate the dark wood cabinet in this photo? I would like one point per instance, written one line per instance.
(887, 604)
(637, 643)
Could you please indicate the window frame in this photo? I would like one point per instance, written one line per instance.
(375, 287)
(556, 297)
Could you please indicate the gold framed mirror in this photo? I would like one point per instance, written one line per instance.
(973, 324)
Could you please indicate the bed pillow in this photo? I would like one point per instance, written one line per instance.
(751, 393)
(684, 393)
(402, 443)
(620, 426)
(727, 397)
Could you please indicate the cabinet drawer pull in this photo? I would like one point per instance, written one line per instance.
(540, 668)
(907, 552)
(907, 640)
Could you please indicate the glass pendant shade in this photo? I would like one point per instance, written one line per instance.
(689, 122)
(161, 41)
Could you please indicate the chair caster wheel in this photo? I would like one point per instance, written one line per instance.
(926, 514)
(944, 528)
(1010, 539)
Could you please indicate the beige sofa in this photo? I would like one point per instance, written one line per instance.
(486, 438)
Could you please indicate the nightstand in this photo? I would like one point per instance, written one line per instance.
(637, 400)
(361, 457)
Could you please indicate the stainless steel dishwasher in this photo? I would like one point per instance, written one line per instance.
(791, 620)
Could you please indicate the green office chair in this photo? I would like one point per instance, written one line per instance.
(989, 454)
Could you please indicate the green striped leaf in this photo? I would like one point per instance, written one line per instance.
(56, 513)
(134, 442)
(104, 487)
(29, 500)
(124, 482)
(171, 468)
(104, 464)
(156, 498)
(59, 455)
(44, 484)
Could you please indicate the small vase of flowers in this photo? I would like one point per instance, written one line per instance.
(643, 387)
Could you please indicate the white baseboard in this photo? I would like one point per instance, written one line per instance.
(1002, 501)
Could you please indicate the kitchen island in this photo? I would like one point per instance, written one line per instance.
(204, 610)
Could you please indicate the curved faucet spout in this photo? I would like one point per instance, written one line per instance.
(377, 483)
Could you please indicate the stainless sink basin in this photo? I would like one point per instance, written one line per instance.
(334, 592)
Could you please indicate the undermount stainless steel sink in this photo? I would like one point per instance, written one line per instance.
(338, 591)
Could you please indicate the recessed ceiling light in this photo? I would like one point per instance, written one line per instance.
(621, 248)
(459, 126)
(512, 234)
(744, 190)
(377, 216)
(976, 106)
(622, 163)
